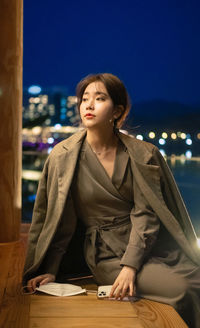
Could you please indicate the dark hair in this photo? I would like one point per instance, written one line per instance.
(115, 89)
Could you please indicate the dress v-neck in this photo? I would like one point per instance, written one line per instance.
(91, 150)
(120, 164)
(96, 196)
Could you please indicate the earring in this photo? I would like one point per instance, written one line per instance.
(111, 120)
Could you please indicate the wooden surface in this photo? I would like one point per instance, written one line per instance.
(14, 306)
(11, 18)
(87, 306)
(83, 311)
(88, 311)
(5, 255)
(85, 323)
(157, 315)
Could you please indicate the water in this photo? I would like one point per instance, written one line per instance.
(186, 173)
(187, 176)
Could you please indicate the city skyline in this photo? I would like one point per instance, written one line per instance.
(146, 114)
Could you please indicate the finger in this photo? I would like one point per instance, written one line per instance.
(112, 291)
(29, 286)
(36, 281)
(131, 289)
(118, 292)
(45, 281)
(123, 293)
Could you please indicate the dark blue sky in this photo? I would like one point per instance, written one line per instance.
(153, 46)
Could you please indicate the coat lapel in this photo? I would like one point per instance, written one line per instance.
(66, 164)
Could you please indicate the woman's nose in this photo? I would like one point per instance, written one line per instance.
(90, 105)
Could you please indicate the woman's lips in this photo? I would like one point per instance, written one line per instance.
(89, 115)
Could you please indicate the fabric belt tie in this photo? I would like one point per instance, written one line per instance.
(116, 244)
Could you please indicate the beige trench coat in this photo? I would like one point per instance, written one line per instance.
(54, 209)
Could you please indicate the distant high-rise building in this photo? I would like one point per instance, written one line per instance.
(65, 109)
(49, 107)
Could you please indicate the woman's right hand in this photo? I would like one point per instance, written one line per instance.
(40, 280)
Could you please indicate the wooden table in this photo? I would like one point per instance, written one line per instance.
(83, 311)
(86, 311)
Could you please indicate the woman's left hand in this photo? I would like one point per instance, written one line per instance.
(123, 283)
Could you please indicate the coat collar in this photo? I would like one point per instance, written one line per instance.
(75, 139)
(140, 154)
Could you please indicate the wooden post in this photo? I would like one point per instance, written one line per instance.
(11, 22)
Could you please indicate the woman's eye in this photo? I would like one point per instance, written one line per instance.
(101, 98)
(84, 99)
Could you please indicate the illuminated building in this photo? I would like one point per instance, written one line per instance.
(37, 106)
(65, 109)
(48, 107)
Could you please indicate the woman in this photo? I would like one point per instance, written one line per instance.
(138, 236)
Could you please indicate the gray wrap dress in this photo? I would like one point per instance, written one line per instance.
(103, 205)
(106, 207)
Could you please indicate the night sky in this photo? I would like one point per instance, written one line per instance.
(153, 46)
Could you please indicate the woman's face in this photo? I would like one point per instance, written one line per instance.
(97, 109)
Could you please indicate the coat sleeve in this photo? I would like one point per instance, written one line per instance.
(43, 224)
(38, 218)
(145, 222)
(144, 231)
(62, 237)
